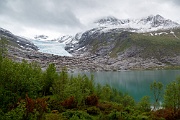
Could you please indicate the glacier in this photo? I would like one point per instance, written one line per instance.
(51, 47)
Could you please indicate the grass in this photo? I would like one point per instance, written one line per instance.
(120, 46)
(157, 46)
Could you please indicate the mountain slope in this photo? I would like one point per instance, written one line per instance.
(122, 49)
(115, 42)
(112, 24)
(16, 40)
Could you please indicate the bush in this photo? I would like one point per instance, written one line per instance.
(55, 105)
(144, 105)
(52, 116)
(105, 107)
(142, 117)
(93, 110)
(35, 107)
(15, 114)
(167, 114)
(91, 100)
(69, 103)
(114, 115)
(103, 117)
(77, 115)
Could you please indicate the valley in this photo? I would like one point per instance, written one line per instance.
(89, 60)
(109, 47)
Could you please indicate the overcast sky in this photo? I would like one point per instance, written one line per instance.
(60, 17)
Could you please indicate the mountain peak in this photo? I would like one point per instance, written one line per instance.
(159, 21)
(109, 20)
(156, 16)
(146, 23)
(41, 37)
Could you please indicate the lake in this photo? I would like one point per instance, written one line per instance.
(135, 83)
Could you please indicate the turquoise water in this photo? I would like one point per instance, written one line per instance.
(135, 83)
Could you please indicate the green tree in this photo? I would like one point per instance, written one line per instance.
(144, 105)
(128, 101)
(106, 93)
(172, 95)
(157, 90)
(50, 76)
(59, 84)
(98, 90)
(79, 87)
(17, 79)
(3, 47)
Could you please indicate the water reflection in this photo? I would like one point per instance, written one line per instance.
(136, 83)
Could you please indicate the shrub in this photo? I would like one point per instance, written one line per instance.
(105, 107)
(52, 116)
(114, 115)
(55, 105)
(35, 107)
(69, 103)
(93, 110)
(15, 114)
(144, 105)
(91, 100)
(77, 115)
(103, 117)
(167, 114)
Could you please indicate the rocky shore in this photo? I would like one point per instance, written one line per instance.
(88, 62)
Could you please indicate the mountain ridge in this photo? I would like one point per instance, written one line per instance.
(116, 48)
(146, 23)
(17, 41)
(141, 25)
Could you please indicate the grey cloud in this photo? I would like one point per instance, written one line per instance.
(68, 15)
(3, 6)
(176, 2)
(38, 13)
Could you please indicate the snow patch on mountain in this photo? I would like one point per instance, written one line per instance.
(68, 39)
(146, 24)
(174, 34)
(41, 37)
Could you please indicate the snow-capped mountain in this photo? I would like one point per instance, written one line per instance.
(41, 37)
(157, 21)
(113, 24)
(110, 26)
(112, 21)
(107, 27)
(69, 40)
(65, 39)
(145, 24)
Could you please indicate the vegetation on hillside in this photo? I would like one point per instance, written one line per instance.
(28, 93)
(158, 44)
